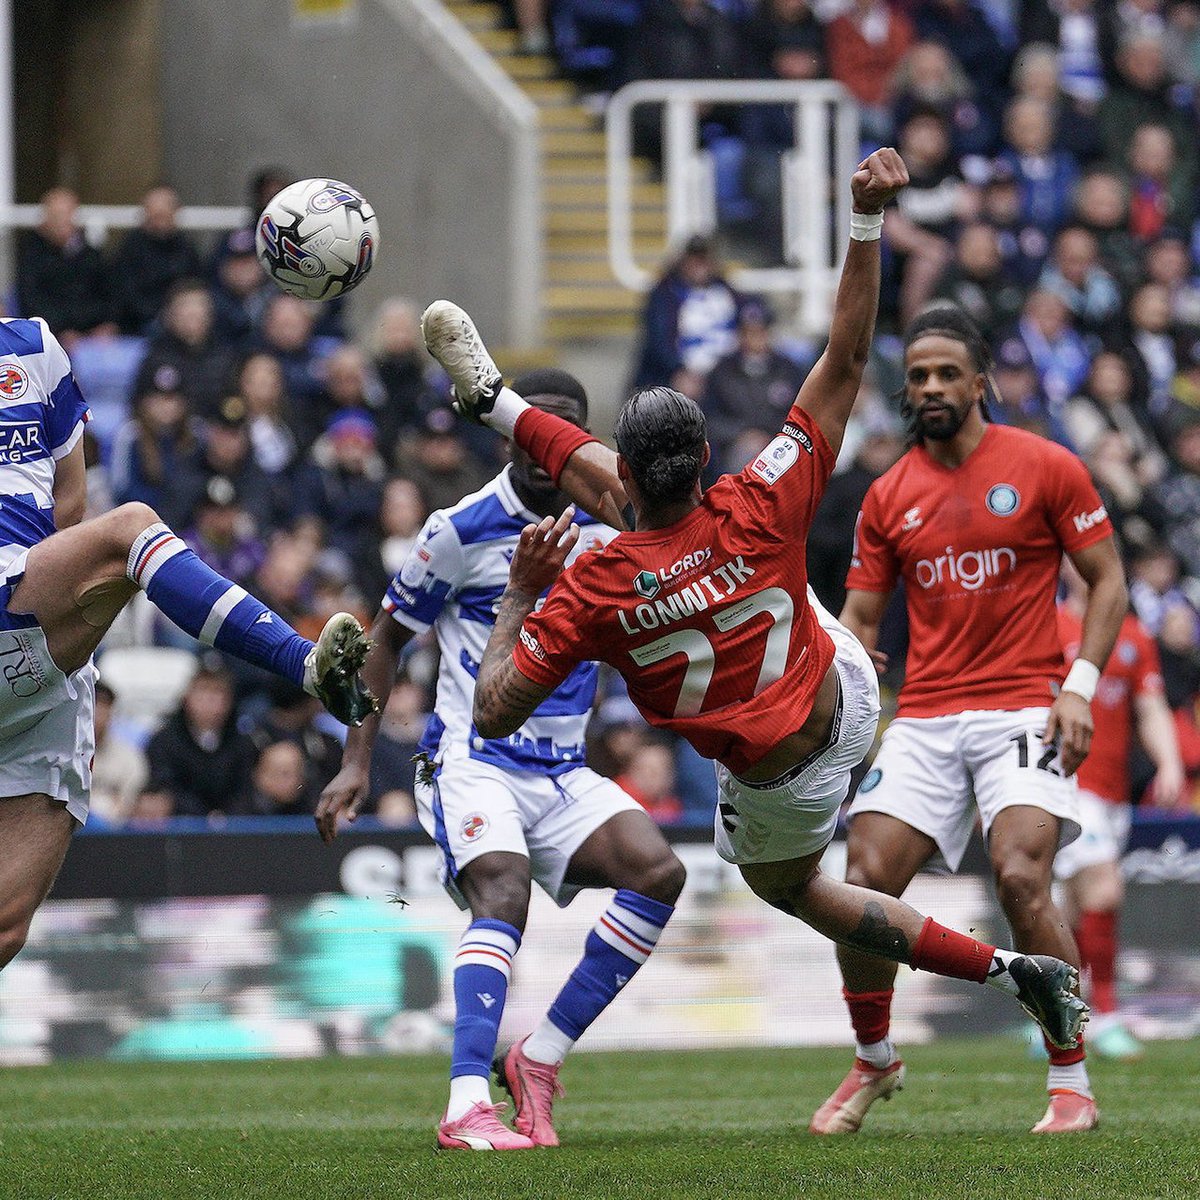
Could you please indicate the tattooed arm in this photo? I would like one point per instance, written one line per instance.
(505, 698)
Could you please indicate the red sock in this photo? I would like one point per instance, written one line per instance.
(1097, 937)
(548, 440)
(945, 952)
(870, 1014)
(1064, 1058)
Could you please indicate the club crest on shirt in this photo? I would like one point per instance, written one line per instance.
(1003, 500)
(474, 826)
(14, 382)
(870, 780)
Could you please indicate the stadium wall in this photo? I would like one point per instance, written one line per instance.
(313, 949)
(388, 97)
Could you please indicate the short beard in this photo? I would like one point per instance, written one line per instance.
(946, 427)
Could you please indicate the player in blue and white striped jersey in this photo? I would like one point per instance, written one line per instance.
(508, 810)
(62, 583)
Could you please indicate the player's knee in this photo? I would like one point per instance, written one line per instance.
(867, 867)
(497, 891)
(126, 521)
(12, 937)
(662, 880)
(1022, 887)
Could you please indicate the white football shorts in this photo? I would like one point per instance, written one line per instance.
(928, 768)
(47, 722)
(796, 815)
(1104, 830)
(473, 808)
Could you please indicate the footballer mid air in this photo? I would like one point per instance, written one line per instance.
(705, 611)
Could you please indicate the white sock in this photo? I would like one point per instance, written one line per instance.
(547, 1044)
(1073, 1078)
(507, 408)
(998, 976)
(879, 1054)
(466, 1090)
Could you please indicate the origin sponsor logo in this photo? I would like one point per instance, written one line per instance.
(970, 570)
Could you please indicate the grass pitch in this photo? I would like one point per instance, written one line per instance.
(711, 1125)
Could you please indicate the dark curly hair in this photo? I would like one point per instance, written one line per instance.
(949, 321)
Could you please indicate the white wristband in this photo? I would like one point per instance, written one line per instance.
(866, 227)
(505, 411)
(1082, 679)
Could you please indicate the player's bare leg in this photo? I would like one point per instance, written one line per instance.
(35, 832)
(1022, 843)
(79, 579)
(883, 854)
(629, 853)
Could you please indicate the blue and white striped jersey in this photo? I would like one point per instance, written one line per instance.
(452, 580)
(42, 415)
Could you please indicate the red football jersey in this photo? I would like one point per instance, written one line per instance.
(979, 548)
(1132, 670)
(708, 621)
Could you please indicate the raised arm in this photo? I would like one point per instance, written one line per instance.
(505, 698)
(829, 392)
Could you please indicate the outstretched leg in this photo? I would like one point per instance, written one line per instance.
(887, 927)
(79, 579)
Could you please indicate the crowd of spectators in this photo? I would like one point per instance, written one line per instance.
(1053, 151)
(296, 461)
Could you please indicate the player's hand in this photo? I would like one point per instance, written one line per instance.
(1071, 723)
(541, 552)
(1169, 783)
(343, 794)
(879, 659)
(878, 178)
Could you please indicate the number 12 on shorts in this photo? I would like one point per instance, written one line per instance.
(1045, 762)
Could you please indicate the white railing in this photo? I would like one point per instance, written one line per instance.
(98, 220)
(505, 105)
(814, 174)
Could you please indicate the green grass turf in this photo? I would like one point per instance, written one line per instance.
(711, 1125)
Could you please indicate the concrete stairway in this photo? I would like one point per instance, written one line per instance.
(581, 300)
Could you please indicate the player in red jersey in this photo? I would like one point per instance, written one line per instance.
(1130, 693)
(704, 610)
(975, 519)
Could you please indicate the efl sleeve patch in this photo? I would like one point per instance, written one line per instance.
(776, 460)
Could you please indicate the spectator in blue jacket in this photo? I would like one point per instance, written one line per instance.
(1046, 176)
(689, 321)
(1075, 273)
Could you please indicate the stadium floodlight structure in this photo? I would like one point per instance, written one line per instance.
(815, 218)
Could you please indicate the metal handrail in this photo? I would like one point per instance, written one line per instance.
(826, 150)
(98, 219)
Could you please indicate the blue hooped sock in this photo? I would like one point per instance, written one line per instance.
(481, 971)
(618, 944)
(211, 608)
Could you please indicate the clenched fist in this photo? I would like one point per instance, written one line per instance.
(878, 178)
